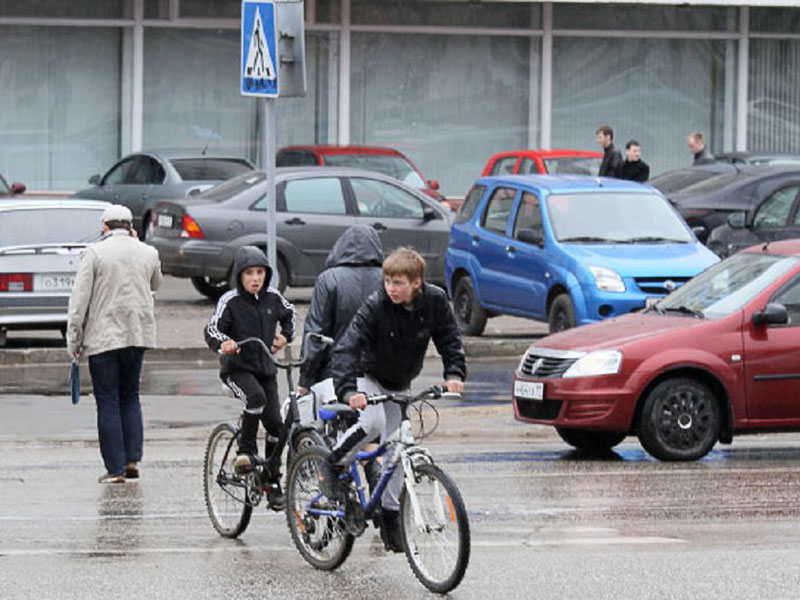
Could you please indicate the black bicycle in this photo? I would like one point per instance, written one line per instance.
(231, 497)
(434, 523)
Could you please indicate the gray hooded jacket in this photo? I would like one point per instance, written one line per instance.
(353, 272)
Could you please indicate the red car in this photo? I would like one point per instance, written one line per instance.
(531, 162)
(372, 158)
(717, 357)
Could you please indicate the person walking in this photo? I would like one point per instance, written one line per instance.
(634, 168)
(612, 159)
(112, 321)
(697, 146)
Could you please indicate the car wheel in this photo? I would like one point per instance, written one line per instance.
(471, 318)
(590, 441)
(680, 420)
(210, 287)
(562, 314)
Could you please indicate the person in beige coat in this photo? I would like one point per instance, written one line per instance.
(112, 322)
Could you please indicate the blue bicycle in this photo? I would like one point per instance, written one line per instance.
(434, 523)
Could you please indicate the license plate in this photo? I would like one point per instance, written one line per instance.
(164, 221)
(533, 390)
(46, 282)
(648, 302)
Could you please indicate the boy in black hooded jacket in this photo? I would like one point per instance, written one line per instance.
(249, 310)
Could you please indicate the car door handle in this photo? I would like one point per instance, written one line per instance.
(511, 250)
(379, 227)
(295, 221)
(475, 240)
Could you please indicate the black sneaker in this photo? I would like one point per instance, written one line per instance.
(330, 483)
(390, 531)
(275, 497)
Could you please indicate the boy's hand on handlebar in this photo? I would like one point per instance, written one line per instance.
(278, 343)
(301, 391)
(358, 401)
(229, 347)
(454, 386)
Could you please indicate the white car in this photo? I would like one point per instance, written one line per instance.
(41, 241)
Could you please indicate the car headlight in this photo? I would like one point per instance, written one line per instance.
(607, 279)
(599, 362)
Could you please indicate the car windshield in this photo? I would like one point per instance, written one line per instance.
(49, 225)
(233, 187)
(615, 217)
(727, 286)
(572, 165)
(678, 180)
(393, 166)
(210, 169)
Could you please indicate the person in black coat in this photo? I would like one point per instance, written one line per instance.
(634, 168)
(612, 159)
(697, 146)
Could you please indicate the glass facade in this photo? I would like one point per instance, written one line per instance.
(447, 82)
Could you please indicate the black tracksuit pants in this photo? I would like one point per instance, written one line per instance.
(260, 397)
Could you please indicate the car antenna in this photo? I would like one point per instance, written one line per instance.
(203, 152)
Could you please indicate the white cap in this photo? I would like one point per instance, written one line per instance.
(117, 212)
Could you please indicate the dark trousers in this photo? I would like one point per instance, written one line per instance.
(260, 397)
(115, 380)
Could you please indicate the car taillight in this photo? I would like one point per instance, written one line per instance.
(16, 282)
(190, 228)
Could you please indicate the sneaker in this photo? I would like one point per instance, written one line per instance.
(275, 498)
(109, 478)
(329, 482)
(242, 464)
(131, 471)
(390, 531)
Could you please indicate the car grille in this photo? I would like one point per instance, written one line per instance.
(545, 367)
(659, 285)
(538, 409)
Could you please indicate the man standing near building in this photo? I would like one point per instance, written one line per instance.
(634, 168)
(612, 159)
(697, 146)
(112, 321)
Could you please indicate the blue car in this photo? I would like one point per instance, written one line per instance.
(568, 250)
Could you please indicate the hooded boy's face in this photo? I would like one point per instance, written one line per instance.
(252, 279)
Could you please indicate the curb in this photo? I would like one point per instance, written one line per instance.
(474, 347)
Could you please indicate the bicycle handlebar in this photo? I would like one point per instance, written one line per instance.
(435, 391)
(286, 364)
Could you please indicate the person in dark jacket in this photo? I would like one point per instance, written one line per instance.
(612, 159)
(697, 146)
(249, 310)
(634, 168)
(382, 351)
(352, 273)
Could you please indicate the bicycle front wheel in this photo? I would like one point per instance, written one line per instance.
(226, 494)
(320, 538)
(436, 536)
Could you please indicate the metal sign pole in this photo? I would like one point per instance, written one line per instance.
(268, 141)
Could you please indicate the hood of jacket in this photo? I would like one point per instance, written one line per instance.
(248, 256)
(359, 245)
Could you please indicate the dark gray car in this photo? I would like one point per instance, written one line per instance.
(141, 179)
(196, 237)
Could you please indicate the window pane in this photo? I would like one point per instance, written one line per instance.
(773, 118)
(201, 111)
(637, 17)
(379, 199)
(52, 225)
(498, 210)
(775, 20)
(321, 195)
(654, 91)
(470, 203)
(79, 9)
(328, 11)
(59, 104)
(209, 169)
(790, 298)
(529, 216)
(471, 100)
(452, 14)
(504, 166)
(216, 9)
(775, 211)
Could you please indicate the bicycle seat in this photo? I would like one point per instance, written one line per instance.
(332, 411)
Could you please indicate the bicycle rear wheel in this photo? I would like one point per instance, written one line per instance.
(321, 539)
(225, 493)
(437, 541)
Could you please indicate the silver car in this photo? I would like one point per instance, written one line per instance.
(140, 180)
(40, 250)
(196, 237)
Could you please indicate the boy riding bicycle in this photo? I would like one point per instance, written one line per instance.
(248, 310)
(382, 351)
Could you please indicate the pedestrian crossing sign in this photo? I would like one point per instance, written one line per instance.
(259, 60)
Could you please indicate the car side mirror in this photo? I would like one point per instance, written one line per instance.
(94, 180)
(737, 220)
(531, 236)
(428, 214)
(17, 187)
(433, 184)
(773, 314)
